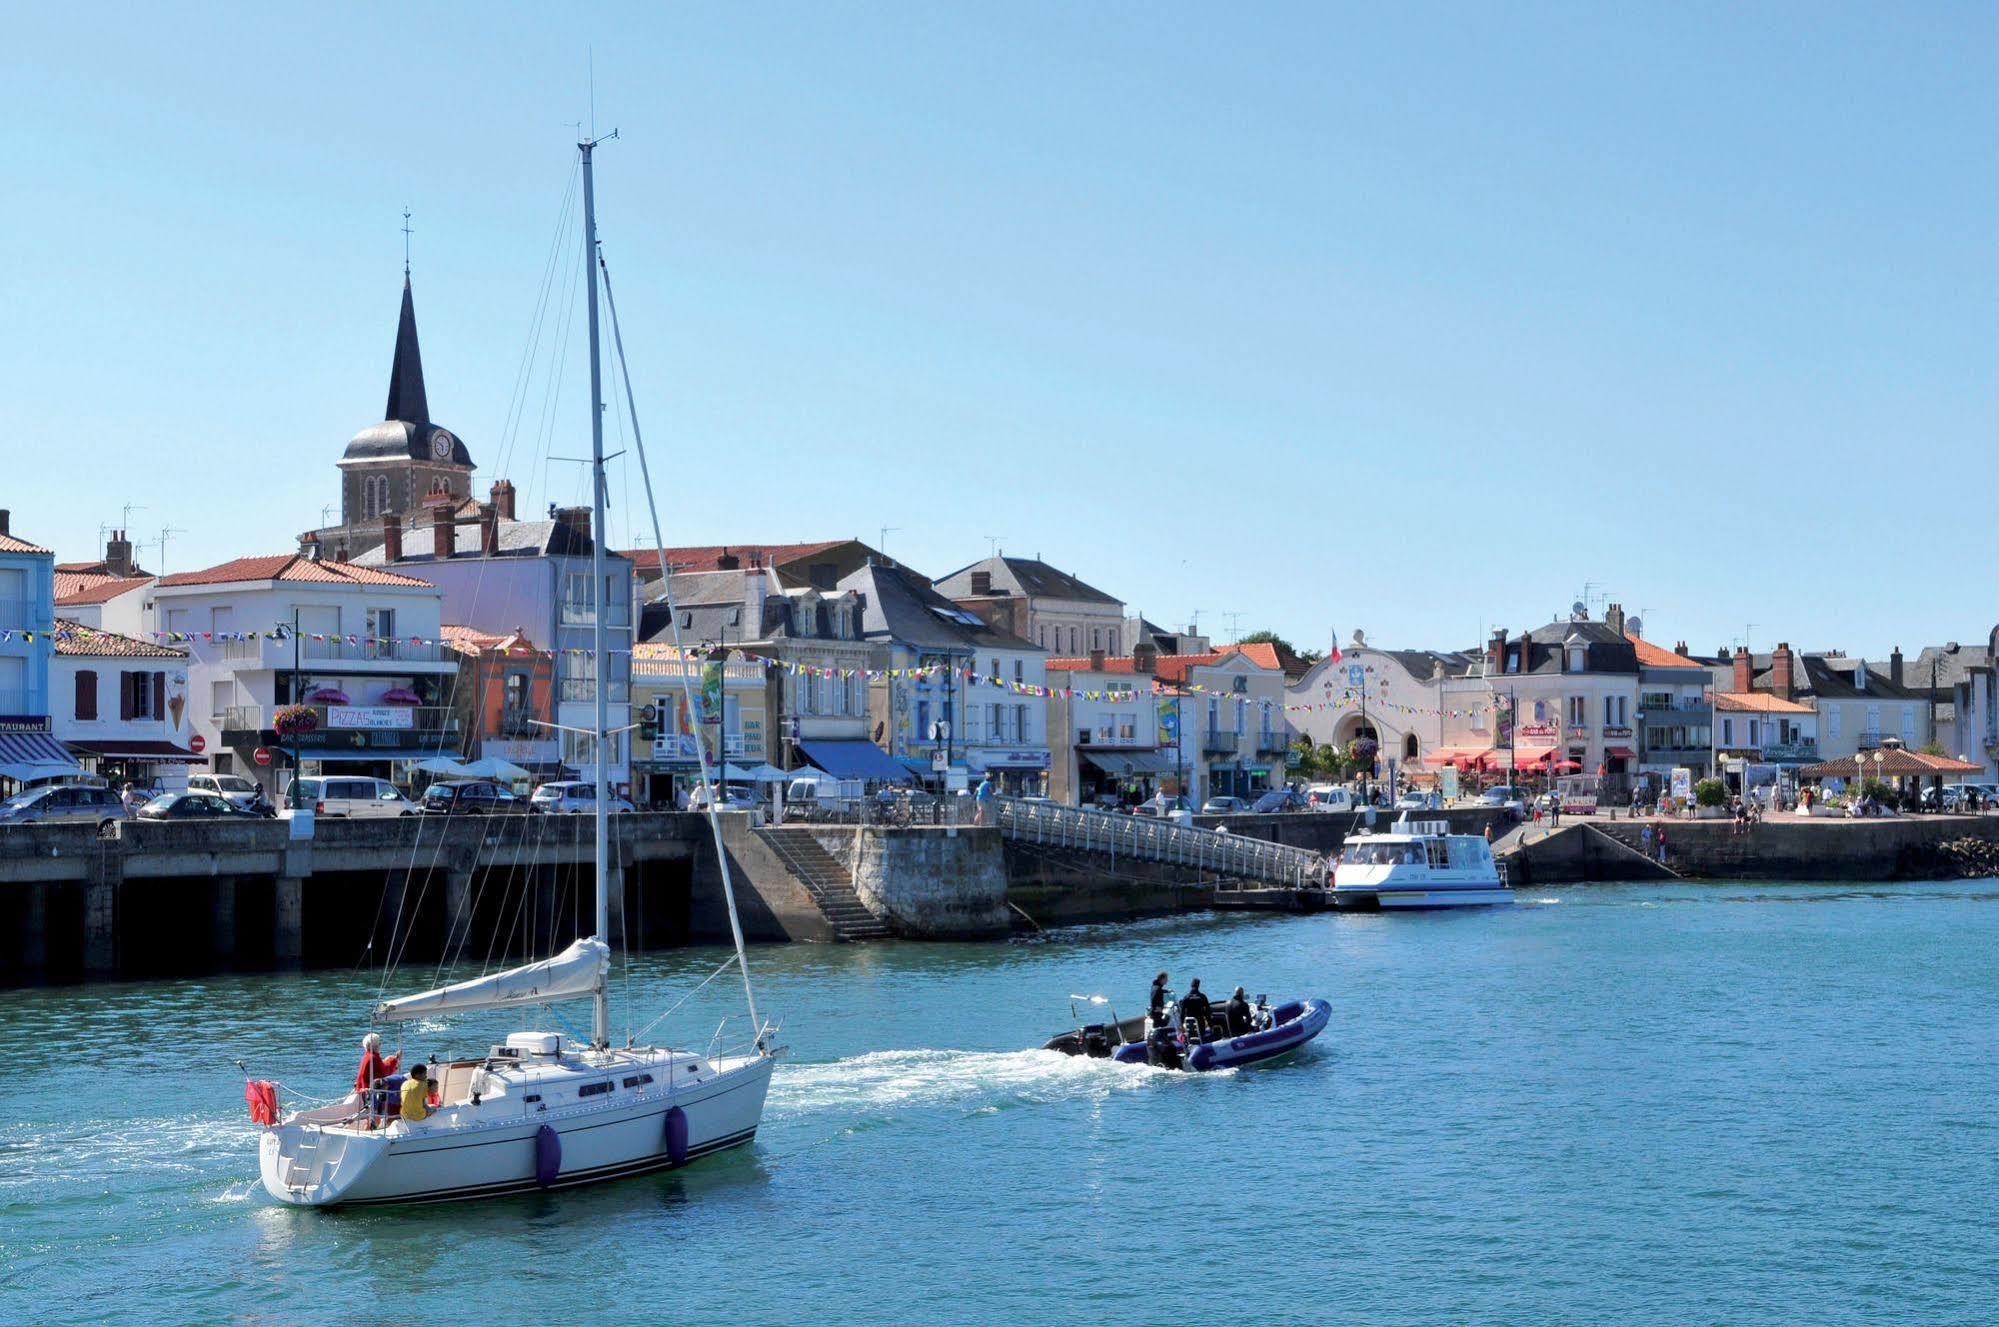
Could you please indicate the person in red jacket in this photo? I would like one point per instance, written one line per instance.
(374, 1065)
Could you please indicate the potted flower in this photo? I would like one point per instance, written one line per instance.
(295, 720)
(1710, 800)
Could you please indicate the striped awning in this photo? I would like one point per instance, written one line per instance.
(28, 756)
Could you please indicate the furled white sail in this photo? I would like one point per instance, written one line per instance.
(577, 971)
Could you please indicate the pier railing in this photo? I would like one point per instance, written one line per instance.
(1144, 838)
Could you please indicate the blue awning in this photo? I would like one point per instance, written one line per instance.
(27, 756)
(856, 760)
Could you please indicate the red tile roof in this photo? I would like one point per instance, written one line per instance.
(75, 638)
(76, 588)
(9, 544)
(289, 567)
(470, 640)
(1657, 656)
(1263, 654)
(1758, 702)
(1173, 667)
(707, 557)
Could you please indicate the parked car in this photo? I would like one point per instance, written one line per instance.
(730, 797)
(1502, 797)
(233, 788)
(63, 804)
(354, 797)
(1224, 806)
(194, 806)
(1160, 807)
(572, 797)
(1278, 800)
(480, 797)
(1416, 800)
(1330, 797)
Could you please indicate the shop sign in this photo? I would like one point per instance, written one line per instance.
(370, 716)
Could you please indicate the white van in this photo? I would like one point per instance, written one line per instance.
(355, 797)
(824, 794)
(1330, 797)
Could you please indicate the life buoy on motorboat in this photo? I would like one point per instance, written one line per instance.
(676, 1136)
(547, 1155)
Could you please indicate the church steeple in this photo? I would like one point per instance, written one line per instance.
(406, 399)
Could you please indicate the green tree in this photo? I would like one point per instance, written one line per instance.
(1283, 646)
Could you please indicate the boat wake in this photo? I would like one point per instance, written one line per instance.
(880, 1085)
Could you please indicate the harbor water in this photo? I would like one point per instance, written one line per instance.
(1686, 1104)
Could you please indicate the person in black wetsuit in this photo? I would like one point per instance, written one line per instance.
(1155, 1006)
(1195, 1005)
(1236, 1012)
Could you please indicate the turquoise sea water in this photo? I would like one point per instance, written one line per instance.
(1715, 1104)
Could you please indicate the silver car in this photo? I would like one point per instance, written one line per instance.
(64, 804)
(572, 797)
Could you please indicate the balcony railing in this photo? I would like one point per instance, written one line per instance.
(1219, 741)
(273, 652)
(1272, 744)
(519, 723)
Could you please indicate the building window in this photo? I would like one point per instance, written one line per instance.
(86, 694)
(1513, 659)
(1019, 672)
(1578, 711)
(1575, 658)
(1043, 637)
(1020, 723)
(1096, 638)
(1114, 644)
(1409, 748)
(1728, 732)
(1074, 648)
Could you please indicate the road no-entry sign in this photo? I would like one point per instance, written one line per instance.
(197, 744)
(262, 755)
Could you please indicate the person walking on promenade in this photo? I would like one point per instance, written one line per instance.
(982, 800)
(1645, 837)
(1662, 845)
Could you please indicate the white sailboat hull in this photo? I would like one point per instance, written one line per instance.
(476, 1152)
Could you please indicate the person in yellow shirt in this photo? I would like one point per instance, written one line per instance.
(416, 1094)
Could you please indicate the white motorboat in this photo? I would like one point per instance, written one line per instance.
(534, 1111)
(1418, 865)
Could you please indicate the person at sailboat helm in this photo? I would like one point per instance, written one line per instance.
(374, 1064)
(416, 1094)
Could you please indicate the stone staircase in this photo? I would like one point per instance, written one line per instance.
(827, 881)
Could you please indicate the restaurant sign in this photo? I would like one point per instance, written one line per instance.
(370, 716)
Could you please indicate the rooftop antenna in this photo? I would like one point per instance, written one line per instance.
(167, 532)
(129, 508)
(881, 543)
(1235, 625)
(1194, 621)
(325, 514)
(406, 241)
(992, 544)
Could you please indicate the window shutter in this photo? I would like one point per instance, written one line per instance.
(124, 695)
(159, 710)
(86, 694)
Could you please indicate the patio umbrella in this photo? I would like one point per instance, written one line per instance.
(492, 767)
(401, 696)
(443, 765)
(329, 696)
(769, 774)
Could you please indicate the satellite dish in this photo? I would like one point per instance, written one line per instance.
(1579, 608)
(1637, 625)
(1359, 636)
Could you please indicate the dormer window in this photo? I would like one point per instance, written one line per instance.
(1513, 659)
(1576, 658)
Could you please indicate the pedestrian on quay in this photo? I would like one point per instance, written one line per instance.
(1645, 837)
(1662, 845)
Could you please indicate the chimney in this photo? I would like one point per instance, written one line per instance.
(392, 537)
(1145, 657)
(1497, 662)
(1679, 647)
(489, 533)
(5, 516)
(1096, 661)
(308, 546)
(982, 582)
(1614, 618)
(340, 553)
(443, 535)
(1783, 675)
(1745, 672)
(728, 561)
(503, 499)
(1895, 665)
(577, 519)
(118, 554)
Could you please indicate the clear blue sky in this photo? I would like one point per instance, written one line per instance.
(1397, 317)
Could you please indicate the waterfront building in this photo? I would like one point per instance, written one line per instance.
(1762, 728)
(1675, 712)
(27, 614)
(1392, 697)
(1933, 676)
(1228, 708)
(104, 593)
(1856, 706)
(1974, 700)
(729, 692)
(498, 574)
(119, 703)
(979, 701)
(1026, 597)
(357, 646)
(1560, 699)
(1104, 731)
(815, 707)
(819, 565)
(504, 697)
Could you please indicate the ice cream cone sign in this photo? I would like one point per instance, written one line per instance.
(177, 698)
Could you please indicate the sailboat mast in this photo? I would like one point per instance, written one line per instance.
(600, 654)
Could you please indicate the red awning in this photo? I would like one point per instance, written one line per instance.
(1620, 752)
(1456, 755)
(160, 753)
(1536, 757)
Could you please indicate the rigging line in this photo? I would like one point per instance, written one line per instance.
(727, 963)
(552, 397)
(402, 895)
(686, 684)
(537, 322)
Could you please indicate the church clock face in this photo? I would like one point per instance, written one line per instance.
(440, 445)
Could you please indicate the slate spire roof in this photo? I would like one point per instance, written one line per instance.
(406, 399)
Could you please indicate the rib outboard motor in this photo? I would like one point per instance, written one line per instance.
(1162, 1048)
(1097, 1041)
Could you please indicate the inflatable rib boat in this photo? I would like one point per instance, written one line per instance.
(1180, 1045)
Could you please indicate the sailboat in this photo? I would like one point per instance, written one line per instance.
(536, 1111)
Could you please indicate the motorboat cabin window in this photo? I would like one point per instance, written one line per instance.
(638, 1080)
(593, 1089)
